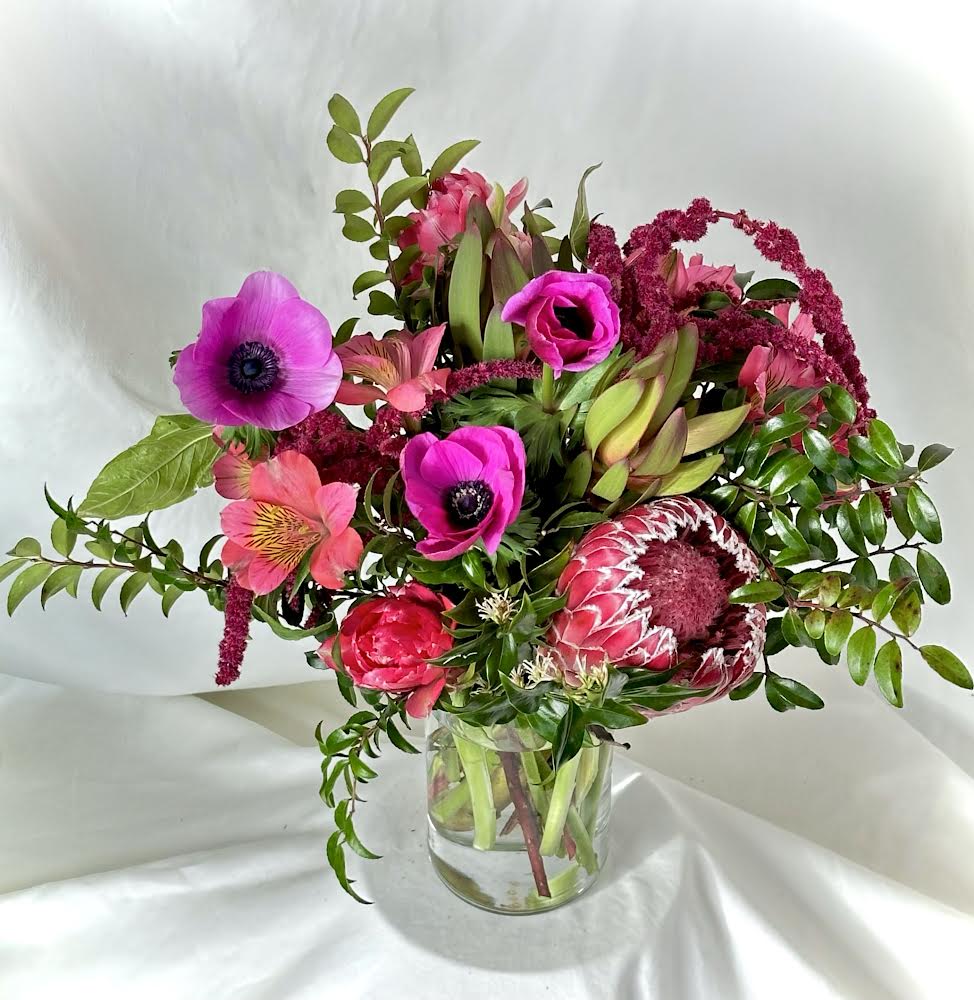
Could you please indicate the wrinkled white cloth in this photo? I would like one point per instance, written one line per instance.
(151, 155)
(165, 847)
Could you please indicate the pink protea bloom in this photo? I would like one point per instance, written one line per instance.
(398, 369)
(288, 514)
(464, 489)
(262, 357)
(649, 589)
(386, 644)
(687, 282)
(444, 218)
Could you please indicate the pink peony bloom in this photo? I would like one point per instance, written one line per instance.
(649, 589)
(464, 488)
(399, 368)
(289, 513)
(263, 357)
(386, 644)
(444, 218)
(570, 319)
(686, 283)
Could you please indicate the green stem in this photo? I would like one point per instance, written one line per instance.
(535, 786)
(587, 768)
(584, 851)
(590, 807)
(547, 389)
(474, 760)
(561, 800)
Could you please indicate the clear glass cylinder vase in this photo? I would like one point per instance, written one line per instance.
(506, 833)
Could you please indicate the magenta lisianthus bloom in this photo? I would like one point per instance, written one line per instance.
(649, 589)
(398, 369)
(287, 514)
(465, 488)
(262, 357)
(687, 282)
(570, 319)
(444, 218)
(386, 643)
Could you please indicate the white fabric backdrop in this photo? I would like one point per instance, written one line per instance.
(150, 156)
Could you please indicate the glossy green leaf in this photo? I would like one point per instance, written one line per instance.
(883, 441)
(782, 427)
(382, 304)
(860, 653)
(949, 666)
(850, 531)
(756, 592)
(906, 610)
(933, 455)
(888, 670)
(383, 111)
(789, 474)
(884, 601)
(773, 288)
(815, 623)
(450, 157)
(872, 519)
(343, 147)
(162, 469)
(131, 589)
(29, 547)
(840, 404)
(795, 692)
(837, 631)
(901, 517)
(933, 577)
(924, 514)
(746, 689)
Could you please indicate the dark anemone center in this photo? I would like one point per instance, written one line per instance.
(469, 502)
(575, 320)
(252, 367)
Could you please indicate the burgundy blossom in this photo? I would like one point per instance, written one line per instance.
(236, 632)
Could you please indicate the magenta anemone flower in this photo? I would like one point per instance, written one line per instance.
(649, 589)
(465, 488)
(570, 319)
(399, 368)
(263, 357)
(287, 515)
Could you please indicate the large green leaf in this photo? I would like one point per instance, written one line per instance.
(463, 301)
(163, 469)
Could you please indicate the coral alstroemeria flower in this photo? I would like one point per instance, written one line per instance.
(687, 282)
(231, 472)
(290, 513)
(400, 368)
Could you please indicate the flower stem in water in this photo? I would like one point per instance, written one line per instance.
(561, 800)
(474, 761)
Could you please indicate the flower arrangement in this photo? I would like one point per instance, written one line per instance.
(598, 484)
